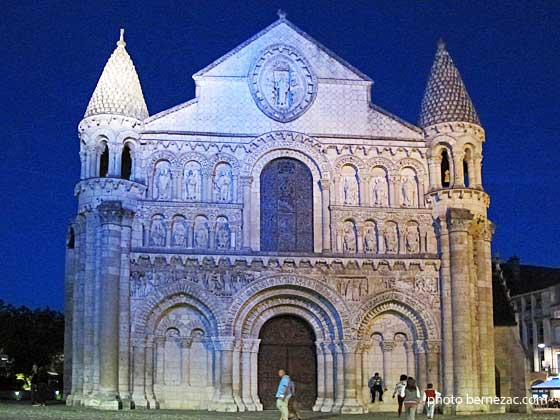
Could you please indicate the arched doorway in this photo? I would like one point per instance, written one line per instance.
(286, 192)
(287, 342)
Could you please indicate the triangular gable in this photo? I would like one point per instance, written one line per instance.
(324, 62)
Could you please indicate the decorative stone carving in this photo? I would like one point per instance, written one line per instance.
(412, 240)
(201, 232)
(352, 288)
(370, 239)
(179, 234)
(162, 181)
(350, 191)
(158, 232)
(282, 83)
(349, 237)
(391, 238)
(379, 193)
(222, 234)
(408, 191)
(193, 182)
(223, 183)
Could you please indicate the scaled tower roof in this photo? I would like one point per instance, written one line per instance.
(118, 90)
(446, 98)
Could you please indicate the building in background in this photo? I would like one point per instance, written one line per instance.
(535, 292)
(279, 219)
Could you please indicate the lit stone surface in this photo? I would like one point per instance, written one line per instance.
(173, 273)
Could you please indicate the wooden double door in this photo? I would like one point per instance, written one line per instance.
(287, 342)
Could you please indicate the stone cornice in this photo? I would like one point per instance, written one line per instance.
(389, 262)
(455, 128)
(460, 193)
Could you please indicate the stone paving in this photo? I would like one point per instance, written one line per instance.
(11, 411)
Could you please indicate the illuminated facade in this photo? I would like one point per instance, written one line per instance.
(278, 219)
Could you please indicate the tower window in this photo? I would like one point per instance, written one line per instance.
(445, 173)
(126, 163)
(466, 181)
(104, 162)
(70, 244)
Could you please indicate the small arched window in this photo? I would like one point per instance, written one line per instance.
(466, 181)
(126, 162)
(445, 172)
(104, 162)
(71, 242)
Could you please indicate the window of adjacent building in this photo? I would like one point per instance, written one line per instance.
(540, 332)
(530, 333)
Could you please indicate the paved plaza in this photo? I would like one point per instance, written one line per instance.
(12, 411)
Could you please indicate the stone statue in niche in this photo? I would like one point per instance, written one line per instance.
(201, 235)
(407, 192)
(179, 236)
(349, 239)
(370, 240)
(350, 191)
(391, 240)
(157, 233)
(412, 240)
(222, 235)
(223, 185)
(162, 183)
(193, 184)
(379, 191)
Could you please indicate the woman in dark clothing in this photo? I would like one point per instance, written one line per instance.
(411, 396)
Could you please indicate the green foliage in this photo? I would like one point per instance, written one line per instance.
(30, 336)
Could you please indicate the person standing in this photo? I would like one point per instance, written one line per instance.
(398, 389)
(375, 384)
(411, 397)
(431, 397)
(283, 394)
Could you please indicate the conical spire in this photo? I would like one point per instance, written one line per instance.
(118, 90)
(446, 98)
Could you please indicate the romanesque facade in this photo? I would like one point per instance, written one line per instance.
(278, 219)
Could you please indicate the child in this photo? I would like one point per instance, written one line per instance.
(431, 396)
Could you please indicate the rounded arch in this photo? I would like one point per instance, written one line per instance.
(315, 197)
(351, 160)
(306, 293)
(221, 157)
(405, 305)
(185, 158)
(175, 295)
(380, 162)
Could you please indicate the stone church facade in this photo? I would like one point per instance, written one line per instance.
(278, 219)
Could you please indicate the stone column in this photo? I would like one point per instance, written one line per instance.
(320, 376)
(386, 348)
(139, 373)
(185, 346)
(246, 182)
(150, 372)
(236, 375)
(459, 178)
(125, 388)
(434, 166)
(350, 404)
(448, 382)
(458, 222)
(434, 351)
(246, 374)
(325, 185)
(395, 197)
(255, 375)
(421, 371)
(477, 172)
(482, 243)
(226, 403)
(329, 377)
(110, 214)
(338, 351)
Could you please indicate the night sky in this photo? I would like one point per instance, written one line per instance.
(52, 54)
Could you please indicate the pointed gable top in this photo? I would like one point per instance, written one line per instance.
(118, 90)
(446, 98)
(283, 23)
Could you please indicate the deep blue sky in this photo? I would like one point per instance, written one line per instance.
(52, 54)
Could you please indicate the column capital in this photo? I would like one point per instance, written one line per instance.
(325, 183)
(458, 220)
(388, 346)
(349, 346)
(110, 212)
(225, 343)
(186, 343)
(246, 181)
(419, 347)
(433, 346)
(483, 229)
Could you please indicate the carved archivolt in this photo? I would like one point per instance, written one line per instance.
(384, 163)
(412, 163)
(285, 284)
(349, 160)
(393, 301)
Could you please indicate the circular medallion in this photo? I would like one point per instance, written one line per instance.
(282, 83)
